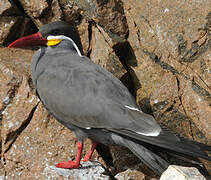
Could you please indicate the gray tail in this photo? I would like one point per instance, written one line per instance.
(153, 161)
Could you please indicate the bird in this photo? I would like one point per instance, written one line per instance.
(94, 104)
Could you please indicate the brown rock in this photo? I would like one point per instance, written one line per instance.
(16, 117)
(34, 8)
(83, 29)
(7, 9)
(10, 81)
(9, 65)
(169, 49)
(103, 54)
(4, 7)
(9, 26)
(71, 12)
(109, 15)
(197, 107)
(42, 11)
(56, 12)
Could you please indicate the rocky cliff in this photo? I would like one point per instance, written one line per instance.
(161, 50)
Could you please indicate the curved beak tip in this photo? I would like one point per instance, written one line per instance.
(11, 45)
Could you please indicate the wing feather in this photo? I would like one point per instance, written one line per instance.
(86, 95)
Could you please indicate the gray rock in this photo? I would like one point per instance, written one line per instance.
(181, 173)
(130, 174)
(88, 171)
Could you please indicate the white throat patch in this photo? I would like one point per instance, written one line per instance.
(61, 37)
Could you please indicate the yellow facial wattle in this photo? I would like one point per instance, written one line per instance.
(53, 42)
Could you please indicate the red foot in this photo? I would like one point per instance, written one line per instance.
(68, 164)
(76, 163)
(72, 164)
(86, 158)
(89, 155)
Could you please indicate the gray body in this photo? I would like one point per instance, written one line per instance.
(82, 94)
(94, 104)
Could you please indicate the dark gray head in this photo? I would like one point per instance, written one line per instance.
(57, 28)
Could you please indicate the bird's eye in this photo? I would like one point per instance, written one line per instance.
(55, 32)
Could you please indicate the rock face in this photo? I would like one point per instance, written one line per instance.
(109, 14)
(161, 50)
(170, 44)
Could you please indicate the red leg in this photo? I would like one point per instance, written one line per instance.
(72, 164)
(89, 155)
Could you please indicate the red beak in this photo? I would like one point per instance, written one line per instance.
(32, 40)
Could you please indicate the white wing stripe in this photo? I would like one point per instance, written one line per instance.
(132, 108)
(155, 133)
